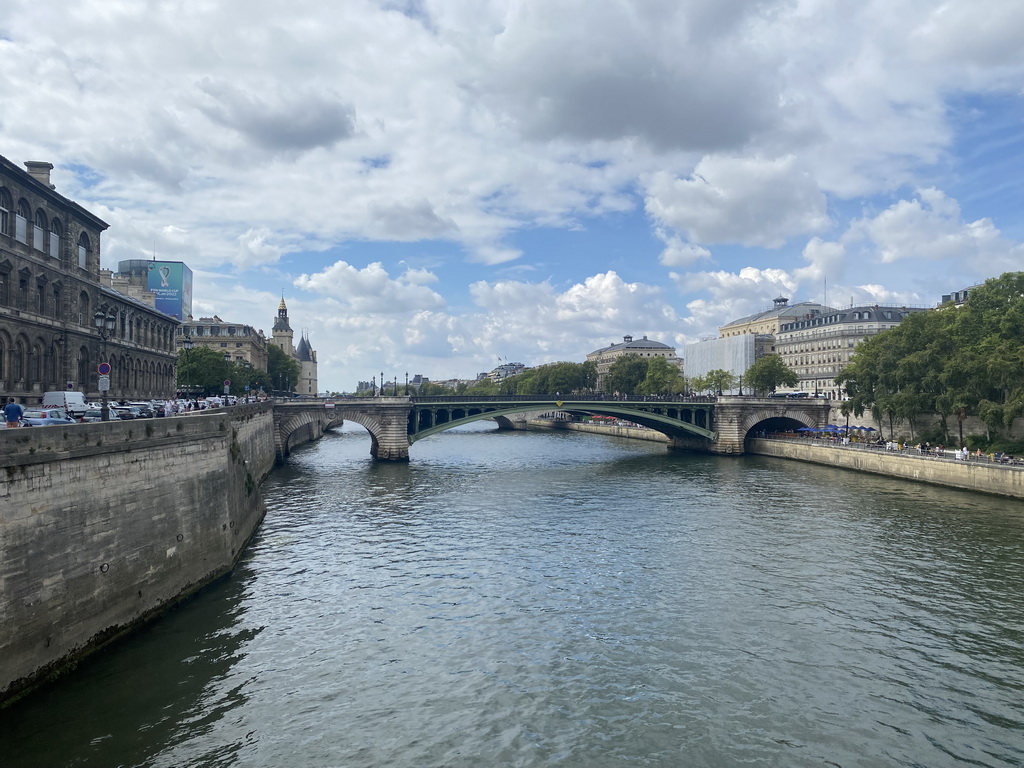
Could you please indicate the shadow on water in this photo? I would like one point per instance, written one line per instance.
(139, 697)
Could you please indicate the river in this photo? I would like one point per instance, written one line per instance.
(561, 599)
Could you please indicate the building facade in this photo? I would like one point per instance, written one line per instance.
(52, 297)
(303, 354)
(767, 322)
(237, 342)
(606, 356)
(734, 354)
(818, 348)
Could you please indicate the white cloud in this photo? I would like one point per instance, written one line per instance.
(739, 200)
(254, 248)
(371, 290)
(678, 253)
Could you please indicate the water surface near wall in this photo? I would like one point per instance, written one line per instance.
(535, 598)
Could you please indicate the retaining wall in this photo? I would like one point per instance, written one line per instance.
(103, 526)
(634, 433)
(969, 475)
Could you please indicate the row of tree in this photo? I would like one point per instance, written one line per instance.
(955, 362)
(629, 375)
(202, 371)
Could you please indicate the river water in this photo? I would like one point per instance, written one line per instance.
(560, 599)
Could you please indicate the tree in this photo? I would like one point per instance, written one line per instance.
(552, 379)
(954, 362)
(282, 370)
(719, 380)
(768, 373)
(662, 378)
(202, 371)
(625, 374)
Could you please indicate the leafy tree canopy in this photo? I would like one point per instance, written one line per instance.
(954, 362)
(768, 373)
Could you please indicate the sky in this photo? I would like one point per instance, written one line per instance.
(436, 187)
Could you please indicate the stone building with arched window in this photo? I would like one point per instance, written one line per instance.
(52, 297)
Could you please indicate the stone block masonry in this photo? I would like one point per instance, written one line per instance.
(969, 475)
(103, 526)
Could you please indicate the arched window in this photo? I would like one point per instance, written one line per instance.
(18, 362)
(3, 358)
(84, 314)
(35, 364)
(5, 211)
(82, 365)
(83, 250)
(55, 232)
(39, 231)
(21, 219)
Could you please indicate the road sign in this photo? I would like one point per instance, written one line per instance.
(104, 369)
(104, 382)
(227, 382)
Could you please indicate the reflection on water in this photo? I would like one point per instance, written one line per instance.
(559, 599)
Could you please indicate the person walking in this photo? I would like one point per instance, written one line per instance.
(12, 413)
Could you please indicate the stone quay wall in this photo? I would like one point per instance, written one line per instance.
(104, 526)
(970, 475)
(633, 433)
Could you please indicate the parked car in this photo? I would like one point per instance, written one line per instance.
(145, 409)
(96, 414)
(45, 417)
(125, 412)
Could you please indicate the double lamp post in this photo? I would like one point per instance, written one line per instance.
(105, 324)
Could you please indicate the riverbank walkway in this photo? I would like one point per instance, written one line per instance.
(919, 451)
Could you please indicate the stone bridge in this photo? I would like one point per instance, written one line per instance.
(714, 425)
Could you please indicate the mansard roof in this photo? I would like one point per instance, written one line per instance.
(628, 344)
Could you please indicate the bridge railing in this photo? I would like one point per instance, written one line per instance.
(547, 398)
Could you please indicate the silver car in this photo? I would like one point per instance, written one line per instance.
(96, 414)
(45, 417)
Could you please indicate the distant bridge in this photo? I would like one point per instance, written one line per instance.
(705, 424)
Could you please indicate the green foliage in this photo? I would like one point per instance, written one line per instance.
(282, 371)
(482, 387)
(717, 381)
(202, 371)
(625, 374)
(955, 362)
(768, 373)
(551, 379)
(662, 378)
(429, 388)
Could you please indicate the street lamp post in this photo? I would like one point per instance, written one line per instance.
(105, 324)
(186, 345)
(406, 383)
(382, 383)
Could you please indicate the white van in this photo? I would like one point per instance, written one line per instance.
(70, 401)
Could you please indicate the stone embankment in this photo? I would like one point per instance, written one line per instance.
(972, 475)
(106, 525)
(609, 430)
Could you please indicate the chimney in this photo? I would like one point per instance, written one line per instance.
(40, 171)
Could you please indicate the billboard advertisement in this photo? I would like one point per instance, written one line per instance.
(171, 282)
